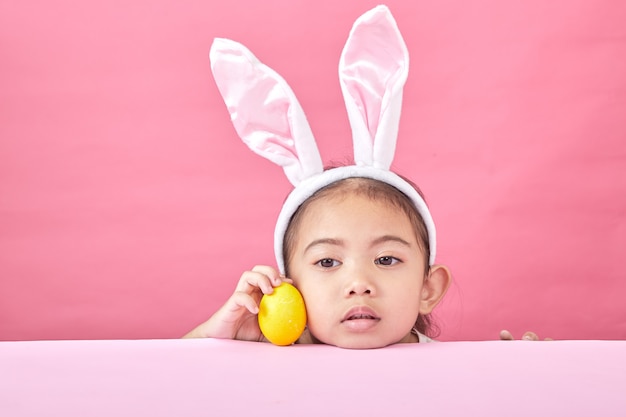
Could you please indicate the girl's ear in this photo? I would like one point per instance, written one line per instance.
(435, 286)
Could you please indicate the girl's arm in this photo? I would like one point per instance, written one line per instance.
(237, 318)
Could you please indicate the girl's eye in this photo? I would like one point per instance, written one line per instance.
(386, 261)
(327, 263)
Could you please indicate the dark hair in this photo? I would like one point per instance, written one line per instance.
(375, 190)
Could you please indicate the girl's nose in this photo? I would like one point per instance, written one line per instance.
(360, 290)
(359, 283)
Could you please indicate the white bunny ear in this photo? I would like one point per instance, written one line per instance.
(373, 68)
(264, 110)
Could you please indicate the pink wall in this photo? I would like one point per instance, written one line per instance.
(129, 208)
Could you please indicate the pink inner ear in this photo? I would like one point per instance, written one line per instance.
(372, 63)
(258, 103)
(264, 110)
(261, 119)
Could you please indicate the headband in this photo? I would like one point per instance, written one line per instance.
(269, 119)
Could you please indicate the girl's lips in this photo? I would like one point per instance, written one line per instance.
(360, 320)
(360, 313)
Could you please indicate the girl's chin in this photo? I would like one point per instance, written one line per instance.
(360, 342)
(356, 340)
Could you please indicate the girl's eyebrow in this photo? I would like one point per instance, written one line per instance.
(390, 238)
(339, 242)
(324, 241)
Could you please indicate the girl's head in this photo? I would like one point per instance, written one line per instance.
(358, 250)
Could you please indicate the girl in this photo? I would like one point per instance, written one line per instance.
(358, 251)
(358, 241)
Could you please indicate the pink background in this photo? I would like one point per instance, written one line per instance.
(129, 208)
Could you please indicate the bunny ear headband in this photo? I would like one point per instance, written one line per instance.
(267, 116)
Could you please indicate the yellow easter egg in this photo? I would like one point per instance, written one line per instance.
(282, 315)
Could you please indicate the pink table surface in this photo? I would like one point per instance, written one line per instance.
(217, 377)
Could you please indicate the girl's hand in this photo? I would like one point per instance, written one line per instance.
(237, 318)
(506, 335)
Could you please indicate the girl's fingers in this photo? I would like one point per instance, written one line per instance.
(275, 278)
(530, 336)
(506, 335)
(260, 277)
(271, 273)
(241, 299)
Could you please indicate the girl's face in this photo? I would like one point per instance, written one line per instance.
(360, 269)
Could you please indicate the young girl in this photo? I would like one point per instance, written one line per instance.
(358, 241)
(358, 251)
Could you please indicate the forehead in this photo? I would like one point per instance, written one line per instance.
(353, 209)
(340, 210)
(326, 203)
(366, 191)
